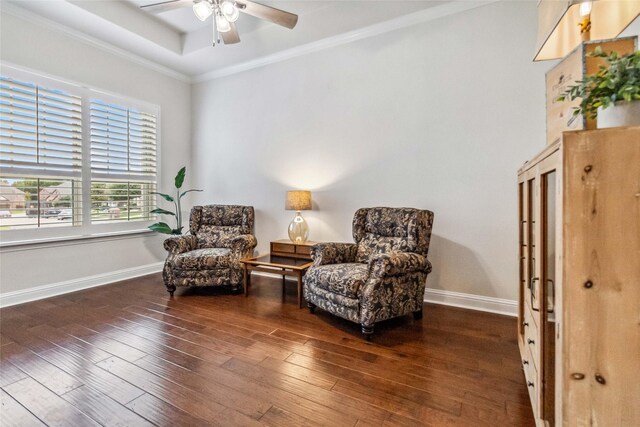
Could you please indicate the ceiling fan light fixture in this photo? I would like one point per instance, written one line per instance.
(203, 10)
(230, 11)
(222, 24)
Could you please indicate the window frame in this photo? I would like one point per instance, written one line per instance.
(86, 229)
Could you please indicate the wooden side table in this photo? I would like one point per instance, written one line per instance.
(286, 259)
(286, 248)
(284, 266)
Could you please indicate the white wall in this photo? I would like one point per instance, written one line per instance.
(436, 116)
(53, 52)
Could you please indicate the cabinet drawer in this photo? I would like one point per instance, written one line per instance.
(531, 376)
(530, 315)
(530, 325)
(531, 338)
(303, 250)
(281, 247)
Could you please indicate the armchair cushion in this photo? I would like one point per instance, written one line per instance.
(398, 263)
(333, 253)
(204, 259)
(215, 236)
(344, 279)
(372, 245)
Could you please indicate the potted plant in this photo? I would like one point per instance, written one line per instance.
(162, 227)
(611, 94)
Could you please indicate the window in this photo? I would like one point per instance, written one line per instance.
(73, 158)
(123, 163)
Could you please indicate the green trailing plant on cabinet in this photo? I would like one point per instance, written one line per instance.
(163, 227)
(619, 81)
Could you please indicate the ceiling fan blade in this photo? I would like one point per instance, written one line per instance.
(231, 36)
(166, 5)
(268, 13)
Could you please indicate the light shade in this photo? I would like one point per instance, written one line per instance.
(222, 24)
(559, 30)
(298, 200)
(202, 9)
(230, 11)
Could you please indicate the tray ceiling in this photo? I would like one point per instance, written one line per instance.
(178, 40)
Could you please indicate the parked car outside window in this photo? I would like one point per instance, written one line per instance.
(65, 214)
(51, 213)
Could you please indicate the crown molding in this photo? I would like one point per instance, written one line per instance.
(426, 15)
(20, 13)
(401, 22)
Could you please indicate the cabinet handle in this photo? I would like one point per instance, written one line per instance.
(530, 341)
(553, 296)
(532, 291)
(525, 324)
(530, 384)
(525, 362)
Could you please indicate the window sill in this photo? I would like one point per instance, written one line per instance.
(19, 245)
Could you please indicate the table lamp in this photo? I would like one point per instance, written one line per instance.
(564, 24)
(298, 200)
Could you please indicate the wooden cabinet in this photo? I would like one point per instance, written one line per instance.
(289, 249)
(579, 284)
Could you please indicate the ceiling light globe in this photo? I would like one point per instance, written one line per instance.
(222, 24)
(202, 9)
(230, 11)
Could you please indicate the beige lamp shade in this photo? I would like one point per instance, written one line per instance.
(559, 29)
(298, 200)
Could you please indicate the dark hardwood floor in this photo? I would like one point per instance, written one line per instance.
(127, 354)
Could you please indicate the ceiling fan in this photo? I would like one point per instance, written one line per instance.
(225, 14)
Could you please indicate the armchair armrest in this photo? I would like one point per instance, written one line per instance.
(179, 244)
(397, 263)
(242, 244)
(333, 253)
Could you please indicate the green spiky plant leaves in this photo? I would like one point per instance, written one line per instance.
(163, 227)
(618, 81)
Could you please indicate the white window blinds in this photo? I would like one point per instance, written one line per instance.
(71, 155)
(40, 130)
(123, 162)
(123, 142)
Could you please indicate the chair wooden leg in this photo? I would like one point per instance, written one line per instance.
(171, 289)
(367, 332)
(312, 307)
(417, 315)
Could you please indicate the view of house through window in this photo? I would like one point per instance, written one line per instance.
(43, 158)
(39, 202)
(121, 201)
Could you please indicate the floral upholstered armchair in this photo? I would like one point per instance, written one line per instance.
(221, 235)
(380, 276)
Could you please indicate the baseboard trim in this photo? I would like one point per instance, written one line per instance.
(435, 296)
(54, 289)
(453, 299)
(472, 302)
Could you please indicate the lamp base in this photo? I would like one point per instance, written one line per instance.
(298, 229)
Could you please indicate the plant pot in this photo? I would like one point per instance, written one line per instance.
(621, 114)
